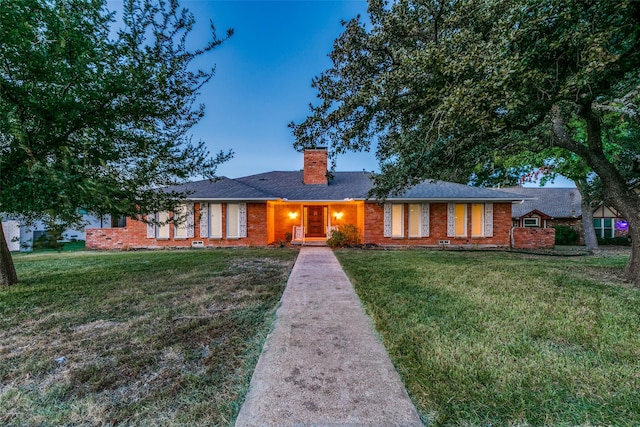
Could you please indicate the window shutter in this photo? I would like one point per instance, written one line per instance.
(151, 228)
(488, 219)
(190, 219)
(242, 220)
(387, 220)
(204, 220)
(451, 220)
(424, 232)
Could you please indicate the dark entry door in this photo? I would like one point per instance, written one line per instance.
(315, 221)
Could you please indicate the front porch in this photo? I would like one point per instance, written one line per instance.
(298, 236)
(311, 223)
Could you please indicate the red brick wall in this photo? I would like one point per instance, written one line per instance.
(134, 235)
(374, 227)
(534, 238)
(315, 166)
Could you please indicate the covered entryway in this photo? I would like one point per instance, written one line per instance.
(304, 221)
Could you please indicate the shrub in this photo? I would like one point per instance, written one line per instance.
(346, 236)
(618, 241)
(50, 239)
(566, 235)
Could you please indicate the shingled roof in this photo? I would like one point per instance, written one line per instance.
(342, 186)
(554, 202)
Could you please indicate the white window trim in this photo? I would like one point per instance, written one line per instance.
(204, 220)
(388, 220)
(536, 222)
(425, 220)
(488, 219)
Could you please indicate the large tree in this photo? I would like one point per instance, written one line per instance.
(96, 109)
(439, 87)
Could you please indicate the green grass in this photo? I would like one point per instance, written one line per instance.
(149, 338)
(499, 339)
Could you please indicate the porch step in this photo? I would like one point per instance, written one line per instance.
(310, 243)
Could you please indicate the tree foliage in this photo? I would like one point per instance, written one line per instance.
(96, 109)
(438, 88)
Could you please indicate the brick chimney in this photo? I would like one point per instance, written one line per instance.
(315, 166)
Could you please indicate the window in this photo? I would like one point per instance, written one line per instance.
(233, 223)
(419, 220)
(215, 220)
(162, 228)
(603, 227)
(211, 220)
(118, 221)
(481, 219)
(393, 220)
(158, 225)
(397, 220)
(414, 220)
(180, 222)
(531, 222)
(608, 227)
(461, 220)
(477, 220)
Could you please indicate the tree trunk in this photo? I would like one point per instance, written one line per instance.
(615, 188)
(8, 274)
(632, 270)
(590, 239)
(617, 193)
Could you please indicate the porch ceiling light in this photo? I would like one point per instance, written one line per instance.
(338, 215)
(293, 215)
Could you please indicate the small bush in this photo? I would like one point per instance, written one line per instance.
(566, 235)
(51, 239)
(615, 241)
(346, 236)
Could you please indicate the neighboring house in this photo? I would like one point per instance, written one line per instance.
(546, 207)
(306, 206)
(20, 236)
(608, 222)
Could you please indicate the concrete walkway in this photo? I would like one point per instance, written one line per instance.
(322, 365)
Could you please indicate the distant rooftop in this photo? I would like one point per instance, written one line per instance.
(552, 201)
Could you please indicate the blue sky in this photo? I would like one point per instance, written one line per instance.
(263, 78)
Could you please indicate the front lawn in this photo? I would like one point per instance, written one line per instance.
(138, 338)
(491, 338)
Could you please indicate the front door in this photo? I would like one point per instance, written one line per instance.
(315, 221)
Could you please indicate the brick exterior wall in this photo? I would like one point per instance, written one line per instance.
(374, 228)
(134, 235)
(533, 238)
(315, 166)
